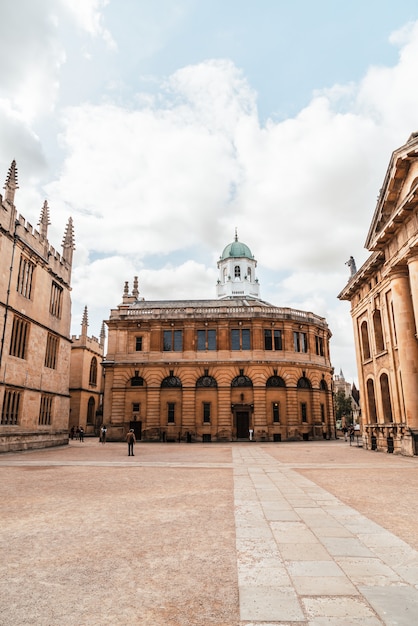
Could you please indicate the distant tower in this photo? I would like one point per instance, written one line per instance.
(237, 277)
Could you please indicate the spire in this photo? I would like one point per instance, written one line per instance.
(135, 291)
(102, 335)
(11, 183)
(44, 221)
(236, 233)
(84, 322)
(68, 245)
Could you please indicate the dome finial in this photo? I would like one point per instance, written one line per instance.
(236, 233)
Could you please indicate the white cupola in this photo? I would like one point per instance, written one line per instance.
(237, 277)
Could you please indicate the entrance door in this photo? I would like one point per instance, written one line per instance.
(243, 424)
(137, 426)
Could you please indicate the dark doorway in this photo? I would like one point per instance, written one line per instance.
(137, 426)
(243, 424)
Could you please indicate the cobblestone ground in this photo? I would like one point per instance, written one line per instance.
(92, 537)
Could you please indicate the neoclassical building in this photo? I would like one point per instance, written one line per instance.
(214, 370)
(35, 317)
(384, 307)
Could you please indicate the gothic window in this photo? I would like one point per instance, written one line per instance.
(51, 352)
(45, 410)
(10, 408)
(90, 411)
(25, 276)
(19, 338)
(93, 372)
(55, 302)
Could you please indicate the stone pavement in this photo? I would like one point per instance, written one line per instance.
(225, 534)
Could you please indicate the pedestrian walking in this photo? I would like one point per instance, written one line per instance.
(130, 438)
(103, 432)
(81, 434)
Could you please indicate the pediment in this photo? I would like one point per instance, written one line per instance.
(397, 194)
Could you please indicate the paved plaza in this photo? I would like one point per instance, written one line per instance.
(239, 534)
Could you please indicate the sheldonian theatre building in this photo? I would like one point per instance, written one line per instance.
(225, 369)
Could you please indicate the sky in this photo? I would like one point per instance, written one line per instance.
(161, 127)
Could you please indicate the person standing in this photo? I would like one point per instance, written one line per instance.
(130, 437)
(81, 435)
(103, 432)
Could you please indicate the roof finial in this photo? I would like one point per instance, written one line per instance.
(11, 183)
(236, 233)
(135, 291)
(68, 242)
(44, 221)
(84, 322)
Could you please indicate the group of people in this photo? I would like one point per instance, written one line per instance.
(350, 432)
(77, 433)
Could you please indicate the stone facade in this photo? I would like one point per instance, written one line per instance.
(35, 315)
(384, 308)
(214, 370)
(86, 380)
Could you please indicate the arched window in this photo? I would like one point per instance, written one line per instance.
(206, 381)
(137, 381)
(241, 381)
(237, 271)
(93, 371)
(371, 401)
(249, 273)
(323, 385)
(304, 383)
(275, 381)
(378, 332)
(90, 411)
(386, 402)
(171, 381)
(365, 340)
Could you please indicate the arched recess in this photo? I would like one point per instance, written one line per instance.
(378, 331)
(91, 411)
(371, 401)
(275, 381)
(386, 401)
(206, 410)
(365, 345)
(276, 401)
(304, 383)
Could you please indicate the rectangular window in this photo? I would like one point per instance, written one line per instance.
(55, 303)
(138, 344)
(136, 407)
(273, 340)
(206, 339)
(322, 413)
(240, 339)
(173, 340)
(171, 412)
(319, 345)
(300, 342)
(10, 409)
(51, 352)
(304, 411)
(19, 338)
(45, 410)
(276, 412)
(206, 412)
(25, 276)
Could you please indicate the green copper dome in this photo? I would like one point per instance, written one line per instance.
(236, 249)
